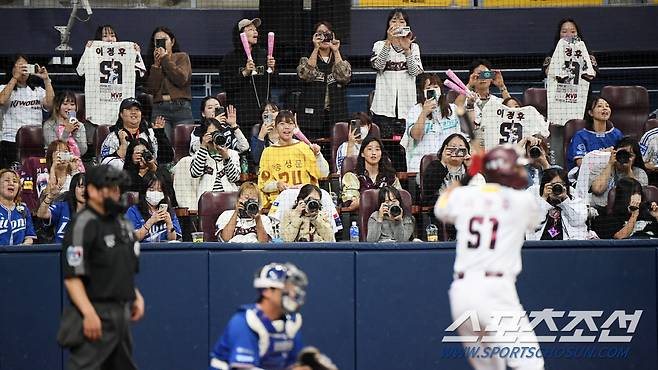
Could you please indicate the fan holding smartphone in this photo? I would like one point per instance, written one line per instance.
(358, 129)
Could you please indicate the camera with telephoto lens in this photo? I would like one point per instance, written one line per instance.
(623, 156)
(312, 206)
(218, 138)
(395, 210)
(557, 189)
(251, 207)
(535, 151)
(147, 156)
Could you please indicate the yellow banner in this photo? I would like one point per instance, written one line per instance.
(412, 3)
(538, 3)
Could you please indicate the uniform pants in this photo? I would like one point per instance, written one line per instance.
(114, 349)
(486, 295)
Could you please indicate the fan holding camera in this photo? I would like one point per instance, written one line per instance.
(141, 161)
(625, 161)
(564, 213)
(481, 77)
(227, 116)
(245, 224)
(22, 102)
(214, 163)
(397, 62)
(307, 221)
(536, 150)
(325, 75)
(430, 121)
(390, 223)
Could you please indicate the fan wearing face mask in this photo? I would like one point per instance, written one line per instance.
(153, 217)
(430, 121)
(355, 137)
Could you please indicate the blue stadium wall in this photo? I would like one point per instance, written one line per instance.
(441, 31)
(379, 307)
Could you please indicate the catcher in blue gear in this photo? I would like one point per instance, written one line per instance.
(266, 335)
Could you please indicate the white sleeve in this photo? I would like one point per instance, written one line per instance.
(85, 60)
(449, 205)
(534, 211)
(267, 225)
(223, 220)
(195, 143)
(412, 116)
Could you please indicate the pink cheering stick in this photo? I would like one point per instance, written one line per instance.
(456, 79)
(298, 134)
(270, 49)
(247, 49)
(449, 84)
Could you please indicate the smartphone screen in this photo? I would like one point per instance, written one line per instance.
(160, 43)
(487, 75)
(430, 94)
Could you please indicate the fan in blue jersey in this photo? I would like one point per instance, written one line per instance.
(265, 335)
(59, 213)
(153, 216)
(15, 219)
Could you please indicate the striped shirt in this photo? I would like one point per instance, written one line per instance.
(649, 146)
(226, 172)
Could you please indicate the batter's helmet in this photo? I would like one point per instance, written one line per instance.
(500, 166)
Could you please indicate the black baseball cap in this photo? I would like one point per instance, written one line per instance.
(130, 102)
(104, 176)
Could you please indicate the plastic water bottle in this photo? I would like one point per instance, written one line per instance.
(354, 232)
(432, 233)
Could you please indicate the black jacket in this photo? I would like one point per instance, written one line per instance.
(240, 89)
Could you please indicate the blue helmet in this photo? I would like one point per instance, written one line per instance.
(287, 277)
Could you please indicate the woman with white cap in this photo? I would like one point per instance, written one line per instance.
(247, 81)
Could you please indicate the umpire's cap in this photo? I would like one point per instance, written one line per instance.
(104, 176)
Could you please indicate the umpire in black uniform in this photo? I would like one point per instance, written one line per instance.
(99, 262)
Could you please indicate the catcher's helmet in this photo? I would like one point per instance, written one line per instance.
(285, 276)
(500, 166)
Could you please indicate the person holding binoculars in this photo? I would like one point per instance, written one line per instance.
(389, 223)
(216, 164)
(564, 213)
(625, 161)
(307, 221)
(245, 224)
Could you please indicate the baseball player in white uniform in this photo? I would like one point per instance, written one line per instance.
(491, 221)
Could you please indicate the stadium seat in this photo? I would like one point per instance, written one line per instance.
(536, 97)
(132, 197)
(650, 124)
(34, 174)
(339, 135)
(221, 98)
(99, 136)
(181, 140)
(147, 106)
(424, 162)
(349, 165)
(369, 203)
(211, 205)
(80, 113)
(630, 108)
(570, 128)
(29, 141)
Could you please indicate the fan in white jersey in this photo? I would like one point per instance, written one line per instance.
(491, 222)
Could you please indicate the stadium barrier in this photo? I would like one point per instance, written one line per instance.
(369, 306)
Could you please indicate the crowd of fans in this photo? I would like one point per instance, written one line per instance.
(286, 197)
